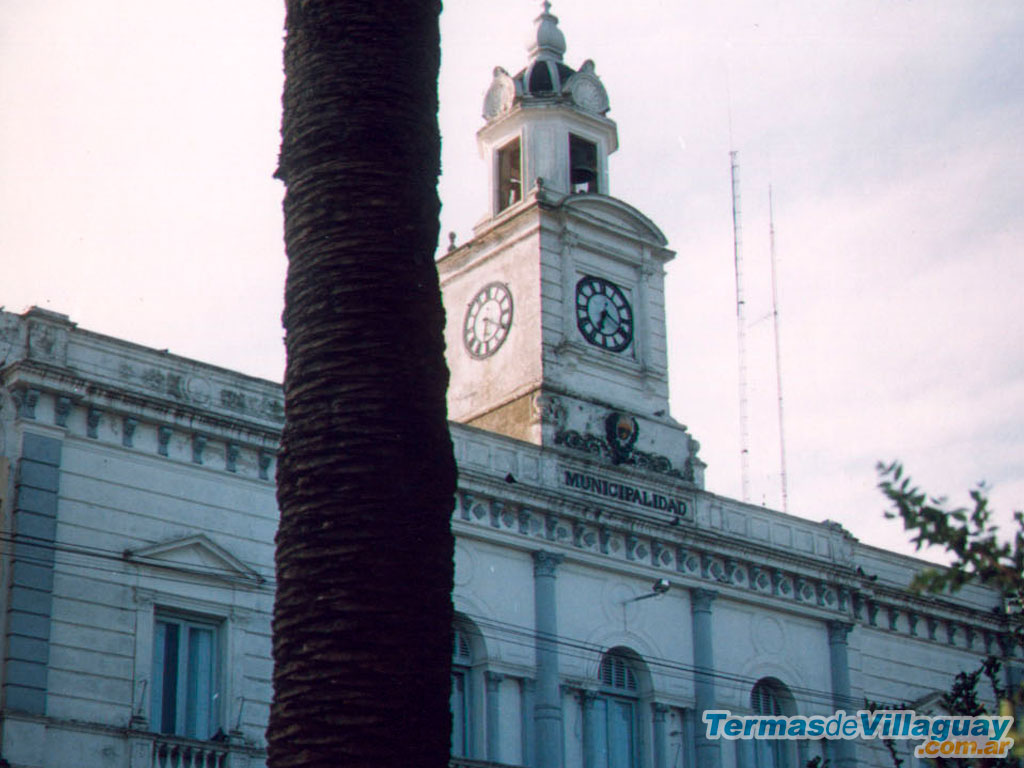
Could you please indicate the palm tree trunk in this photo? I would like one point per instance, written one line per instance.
(366, 477)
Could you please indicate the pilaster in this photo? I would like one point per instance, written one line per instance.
(493, 683)
(548, 705)
(838, 633)
(30, 595)
(701, 600)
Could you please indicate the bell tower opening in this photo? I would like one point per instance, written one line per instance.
(510, 175)
(583, 170)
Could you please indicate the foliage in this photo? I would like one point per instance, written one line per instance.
(978, 556)
(890, 744)
(969, 535)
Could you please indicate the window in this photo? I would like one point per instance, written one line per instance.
(771, 697)
(186, 675)
(617, 674)
(510, 176)
(462, 658)
(582, 165)
(615, 713)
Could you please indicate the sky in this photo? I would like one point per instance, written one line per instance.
(138, 143)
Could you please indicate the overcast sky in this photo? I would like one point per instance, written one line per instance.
(138, 139)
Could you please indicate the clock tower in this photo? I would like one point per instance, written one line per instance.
(556, 307)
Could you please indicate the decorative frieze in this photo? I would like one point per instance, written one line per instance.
(594, 445)
(585, 533)
(600, 534)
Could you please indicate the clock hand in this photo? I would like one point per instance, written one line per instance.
(605, 315)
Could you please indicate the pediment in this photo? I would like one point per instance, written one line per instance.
(930, 704)
(611, 210)
(196, 554)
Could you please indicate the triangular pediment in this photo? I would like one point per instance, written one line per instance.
(196, 554)
(611, 210)
(930, 704)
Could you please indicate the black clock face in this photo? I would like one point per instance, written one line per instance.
(488, 320)
(603, 314)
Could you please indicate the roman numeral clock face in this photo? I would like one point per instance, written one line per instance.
(488, 320)
(603, 314)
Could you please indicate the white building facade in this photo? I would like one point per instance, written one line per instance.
(605, 599)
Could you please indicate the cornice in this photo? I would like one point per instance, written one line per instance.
(700, 559)
(79, 391)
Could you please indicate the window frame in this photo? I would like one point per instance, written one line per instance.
(619, 688)
(508, 174)
(577, 144)
(772, 694)
(462, 668)
(237, 631)
(187, 717)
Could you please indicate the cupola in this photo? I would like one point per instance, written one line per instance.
(548, 122)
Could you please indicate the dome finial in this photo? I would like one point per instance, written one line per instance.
(550, 42)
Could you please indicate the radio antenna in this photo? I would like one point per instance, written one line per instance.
(741, 326)
(778, 354)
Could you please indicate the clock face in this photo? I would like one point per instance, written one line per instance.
(488, 320)
(603, 314)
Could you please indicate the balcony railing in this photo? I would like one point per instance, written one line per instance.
(171, 752)
(465, 762)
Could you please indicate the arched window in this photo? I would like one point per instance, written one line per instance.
(770, 697)
(614, 724)
(462, 660)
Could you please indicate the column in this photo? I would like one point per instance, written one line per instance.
(844, 749)
(708, 751)
(547, 709)
(493, 716)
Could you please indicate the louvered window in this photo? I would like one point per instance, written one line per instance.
(766, 700)
(460, 651)
(616, 673)
(462, 658)
(614, 715)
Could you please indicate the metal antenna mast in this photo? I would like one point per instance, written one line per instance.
(778, 355)
(741, 326)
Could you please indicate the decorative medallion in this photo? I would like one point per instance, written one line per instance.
(622, 432)
(587, 90)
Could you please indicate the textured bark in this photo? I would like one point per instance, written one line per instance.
(366, 478)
